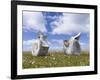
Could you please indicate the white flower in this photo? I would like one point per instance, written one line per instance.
(53, 58)
(33, 62)
(45, 56)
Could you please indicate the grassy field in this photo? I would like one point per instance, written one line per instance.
(57, 59)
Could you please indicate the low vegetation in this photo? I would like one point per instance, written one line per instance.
(54, 59)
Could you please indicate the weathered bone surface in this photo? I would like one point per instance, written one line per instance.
(40, 46)
(72, 46)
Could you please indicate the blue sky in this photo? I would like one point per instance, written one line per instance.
(58, 26)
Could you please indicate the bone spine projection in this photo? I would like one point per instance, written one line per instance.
(40, 46)
(72, 46)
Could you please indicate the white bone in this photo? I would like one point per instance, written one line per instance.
(40, 46)
(74, 46)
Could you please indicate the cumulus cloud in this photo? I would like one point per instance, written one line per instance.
(27, 45)
(28, 42)
(33, 21)
(65, 23)
(56, 44)
(70, 23)
(84, 46)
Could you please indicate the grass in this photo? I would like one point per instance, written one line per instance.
(54, 59)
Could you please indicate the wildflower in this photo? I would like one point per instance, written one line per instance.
(53, 58)
(45, 56)
(33, 62)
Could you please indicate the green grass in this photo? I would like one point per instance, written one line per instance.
(57, 59)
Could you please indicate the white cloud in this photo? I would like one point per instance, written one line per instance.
(56, 44)
(52, 17)
(69, 23)
(27, 45)
(33, 21)
(28, 42)
(84, 46)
